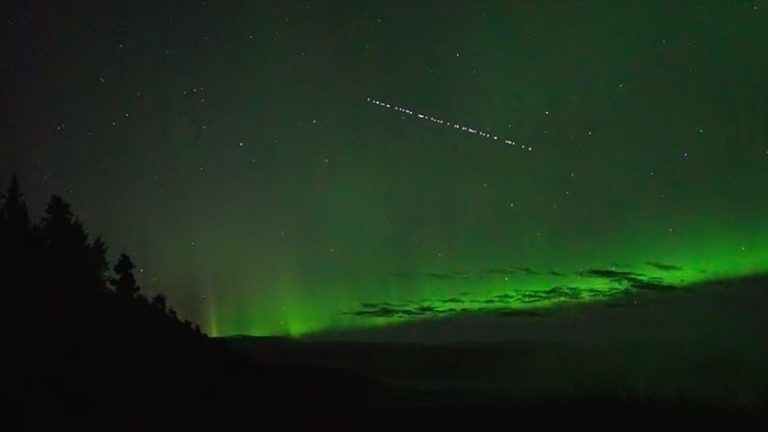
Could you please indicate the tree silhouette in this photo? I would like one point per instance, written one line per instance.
(75, 271)
(70, 329)
(57, 222)
(98, 264)
(15, 227)
(13, 213)
(70, 256)
(17, 246)
(159, 302)
(125, 282)
(66, 273)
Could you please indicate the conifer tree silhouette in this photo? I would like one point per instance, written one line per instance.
(13, 213)
(73, 330)
(159, 302)
(17, 245)
(57, 222)
(97, 265)
(125, 282)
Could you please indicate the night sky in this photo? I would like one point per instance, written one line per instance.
(236, 151)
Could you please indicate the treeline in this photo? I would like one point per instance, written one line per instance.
(88, 351)
(79, 333)
(57, 262)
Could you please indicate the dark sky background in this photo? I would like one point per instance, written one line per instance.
(231, 149)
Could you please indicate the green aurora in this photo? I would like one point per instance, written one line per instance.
(229, 148)
(430, 295)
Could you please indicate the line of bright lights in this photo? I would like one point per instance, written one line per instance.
(455, 126)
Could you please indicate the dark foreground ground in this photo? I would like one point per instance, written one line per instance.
(688, 359)
(704, 342)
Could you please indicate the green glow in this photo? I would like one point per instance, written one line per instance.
(727, 256)
(234, 156)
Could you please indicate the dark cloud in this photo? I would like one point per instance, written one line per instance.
(377, 312)
(631, 279)
(664, 266)
(389, 310)
(651, 286)
(451, 300)
(528, 271)
(566, 293)
(622, 279)
(612, 274)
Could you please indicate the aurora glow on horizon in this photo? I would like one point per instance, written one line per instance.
(231, 151)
